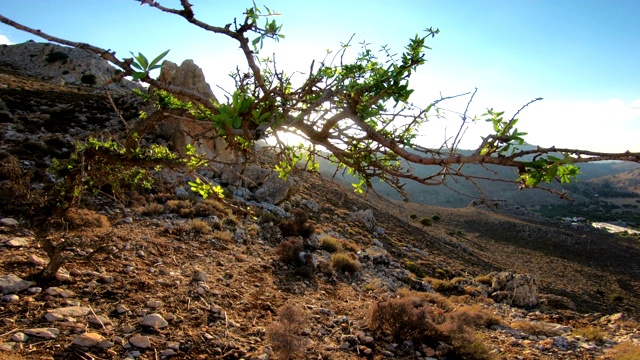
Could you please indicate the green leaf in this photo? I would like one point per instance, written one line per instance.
(157, 59)
(142, 60)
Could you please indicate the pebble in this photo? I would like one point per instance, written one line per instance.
(44, 333)
(63, 275)
(36, 260)
(8, 222)
(99, 320)
(73, 311)
(11, 298)
(201, 276)
(18, 242)
(12, 284)
(155, 321)
(19, 337)
(168, 352)
(56, 291)
(121, 309)
(88, 339)
(154, 304)
(141, 341)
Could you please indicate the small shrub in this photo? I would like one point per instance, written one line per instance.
(617, 298)
(625, 351)
(425, 222)
(590, 333)
(413, 216)
(484, 279)
(435, 218)
(152, 209)
(298, 225)
(403, 319)
(414, 268)
(284, 334)
(330, 244)
(441, 285)
(84, 218)
(345, 263)
(176, 206)
(56, 56)
(288, 251)
(441, 273)
(88, 79)
(199, 227)
(225, 236)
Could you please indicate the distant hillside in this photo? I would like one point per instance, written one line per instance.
(459, 192)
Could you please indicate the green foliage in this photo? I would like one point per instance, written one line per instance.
(88, 79)
(425, 222)
(206, 189)
(143, 65)
(55, 56)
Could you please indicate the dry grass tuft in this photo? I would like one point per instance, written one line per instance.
(85, 218)
(199, 227)
(284, 334)
(590, 333)
(224, 236)
(624, 351)
(344, 262)
(330, 244)
(152, 209)
(288, 251)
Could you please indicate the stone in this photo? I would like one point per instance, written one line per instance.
(99, 320)
(18, 242)
(141, 341)
(167, 352)
(88, 339)
(43, 333)
(73, 311)
(181, 131)
(19, 337)
(121, 309)
(517, 289)
(12, 284)
(36, 260)
(275, 189)
(201, 276)
(155, 321)
(11, 298)
(63, 275)
(8, 221)
(366, 218)
(154, 304)
(56, 291)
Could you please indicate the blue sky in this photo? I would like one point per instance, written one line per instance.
(581, 56)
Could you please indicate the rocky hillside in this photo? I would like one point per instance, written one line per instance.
(316, 272)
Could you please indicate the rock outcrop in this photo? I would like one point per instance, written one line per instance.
(184, 130)
(62, 65)
(516, 289)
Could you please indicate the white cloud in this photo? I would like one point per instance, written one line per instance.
(5, 40)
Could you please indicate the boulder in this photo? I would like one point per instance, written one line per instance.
(181, 129)
(62, 65)
(366, 218)
(517, 289)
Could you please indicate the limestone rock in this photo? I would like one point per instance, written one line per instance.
(183, 130)
(44, 333)
(61, 64)
(518, 289)
(88, 339)
(18, 242)
(275, 189)
(154, 320)
(8, 221)
(140, 341)
(366, 218)
(71, 311)
(11, 284)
